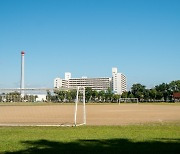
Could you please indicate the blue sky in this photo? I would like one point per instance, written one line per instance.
(88, 38)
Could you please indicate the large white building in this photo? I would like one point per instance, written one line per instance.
(117, 83)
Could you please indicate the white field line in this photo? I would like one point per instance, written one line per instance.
(28, 125)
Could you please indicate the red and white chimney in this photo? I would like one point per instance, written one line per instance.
(22, 73)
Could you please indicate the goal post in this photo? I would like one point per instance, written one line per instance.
(80, 89)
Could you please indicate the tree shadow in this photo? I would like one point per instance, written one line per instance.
(101, 146)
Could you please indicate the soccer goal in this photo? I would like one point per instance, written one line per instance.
(43, 107)
(79, 90)
(128, 100)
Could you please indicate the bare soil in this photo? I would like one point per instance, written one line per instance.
(123, 114)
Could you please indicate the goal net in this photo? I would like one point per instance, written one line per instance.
(128, 100)
(43, 107)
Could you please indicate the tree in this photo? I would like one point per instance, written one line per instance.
(124, 94)
(130, 95)
(13, 97)
(94, 95)
(101, 96)
(48, 96)
(1, 98)
(153, 94)
(146, 94)
(73, 94)
(61, 95)
(159, 95)
(164, 90)
(68, 96)
(115, 97)
(174, 86)
(138, 91)
(88, 93)
(108, 95)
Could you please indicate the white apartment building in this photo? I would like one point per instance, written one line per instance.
(117, 83)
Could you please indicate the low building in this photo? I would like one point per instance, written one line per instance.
(41, 97)
(176, 96)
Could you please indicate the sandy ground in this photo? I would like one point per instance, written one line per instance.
(115, 114)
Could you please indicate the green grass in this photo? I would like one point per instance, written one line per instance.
(91, 139)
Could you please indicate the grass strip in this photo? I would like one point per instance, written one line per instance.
(150, 138)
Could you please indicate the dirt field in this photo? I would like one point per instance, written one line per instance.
(96, 114)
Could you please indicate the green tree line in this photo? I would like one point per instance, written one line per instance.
(91, 96)
(16, 97)
(160, 93)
